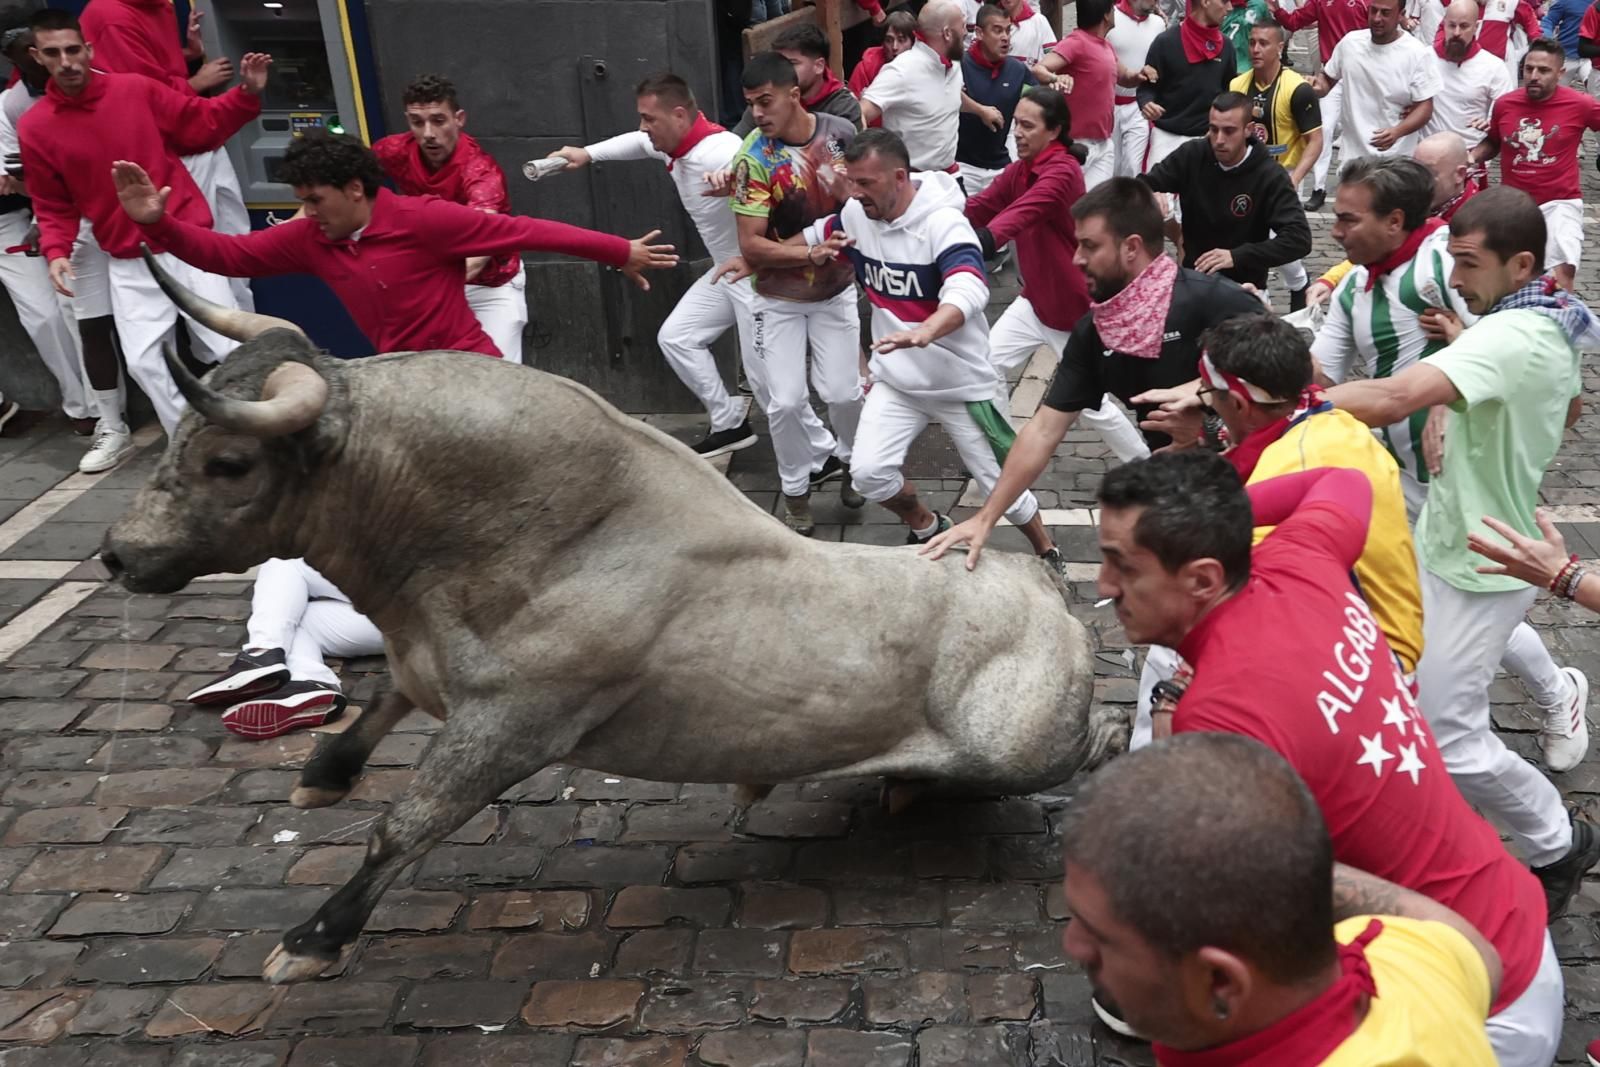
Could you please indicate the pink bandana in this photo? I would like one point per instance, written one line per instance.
(1133, 321)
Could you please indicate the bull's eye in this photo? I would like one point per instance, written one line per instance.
(227, 467)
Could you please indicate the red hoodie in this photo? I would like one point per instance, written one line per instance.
(137, 37)
(70, 142)
(873, 60)
(470, 176)
(402, 280)
(1029, 205)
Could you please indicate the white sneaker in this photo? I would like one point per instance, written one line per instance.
(1565, 736)
(8, 410)
(111, 446)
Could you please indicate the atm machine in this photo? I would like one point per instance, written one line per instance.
(323, 77)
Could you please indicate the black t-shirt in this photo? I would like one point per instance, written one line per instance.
(1088, 370)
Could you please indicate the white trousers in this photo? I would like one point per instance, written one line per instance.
(891, 420)
(1464, 636)
(44, 315)
(502, 311)
(1526, 1032)
(1294, 274)
(146, 320)
(976, 179)
(219, 183)
(1332, 128)
(1012, 341)
(293, 607)
(1100, 163)
(703, 314)
(776, 367)
(1133, 140)
(91, 275)
(1563, 221)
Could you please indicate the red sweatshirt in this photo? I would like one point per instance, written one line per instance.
(470, 176)
(70, 142)
(1029, 205)
(137, 37)
(1332, 18)
(402, 280)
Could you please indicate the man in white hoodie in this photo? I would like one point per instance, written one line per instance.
(919, 260)
(673, 130)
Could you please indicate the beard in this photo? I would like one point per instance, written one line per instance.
(1103, 288)
(1455, 50)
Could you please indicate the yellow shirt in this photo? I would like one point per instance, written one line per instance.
(1335, 274)
(1433, 998)
(1387, 569)
(1274, 117)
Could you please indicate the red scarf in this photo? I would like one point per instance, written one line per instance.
(1024, 13)
(1247, 453)
(1469, 189)
(1031, 165)
(1127, 9)
(699, 131)
(1133, 321)
(1309, 1035)
(830, 83)
(1438, 48)
(980, 57)
(942, 57)
(1402, 255)
(1201, 44)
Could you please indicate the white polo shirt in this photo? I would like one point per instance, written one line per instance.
(1466, 92)
(919, 94)
(1131, 38)
(1032, 38)
(1380, 81)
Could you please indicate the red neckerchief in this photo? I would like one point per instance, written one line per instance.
(980, 57)
(1049, 151)
(699, 131)
(1402, 255)
(1024, 13)
(92, 92)
(1127, 9)
(1201, 44)
(942, 57)
(830, 84)
(1469, 189)
(1247, 453)
(1438, 48)
(1309, 1035)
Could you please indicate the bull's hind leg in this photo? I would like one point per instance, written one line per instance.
(328, 776)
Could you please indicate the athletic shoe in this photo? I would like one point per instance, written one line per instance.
(1565, 736)
(1108, 1013)
(1055, 562)
(252, 674)
(1594, 1053)
(797, 514)
(290, 707)
(8, 410)
(721, 442)
(831, 468)
(1562, 878)
(1317, 198)
(944, 524)
(111, 446)
(847, 492)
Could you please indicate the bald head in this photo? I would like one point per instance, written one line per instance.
(1445, 156)
(1460, 29)
(944, 24)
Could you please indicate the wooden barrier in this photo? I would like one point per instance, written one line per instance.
(833, 16)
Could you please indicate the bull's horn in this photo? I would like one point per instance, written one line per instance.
(229, 322)
(292, 399)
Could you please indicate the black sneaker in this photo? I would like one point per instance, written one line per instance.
(847, 492)
(1562, 878)
(292, 706)
(252, 673)
(831, 468)
(1317, 198)
(721, 442)
(944, 524)
(1056, 563)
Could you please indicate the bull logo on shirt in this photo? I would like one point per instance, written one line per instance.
(1529, 139)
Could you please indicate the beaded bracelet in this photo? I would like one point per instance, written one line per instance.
(1564, 573)
(1569, 589)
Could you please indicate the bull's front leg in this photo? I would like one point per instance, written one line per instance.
(329, 775)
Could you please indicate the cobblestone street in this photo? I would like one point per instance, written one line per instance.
(149, 860)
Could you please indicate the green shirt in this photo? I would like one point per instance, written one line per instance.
(1236, 28)
(1516, 373)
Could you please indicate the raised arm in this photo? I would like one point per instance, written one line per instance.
(193, 124)
(1276, 499)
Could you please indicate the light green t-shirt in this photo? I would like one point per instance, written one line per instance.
(1516, 374)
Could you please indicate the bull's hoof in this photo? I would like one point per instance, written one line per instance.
(310, 796)
(282, 967)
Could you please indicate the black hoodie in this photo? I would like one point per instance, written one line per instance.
(1251, 210)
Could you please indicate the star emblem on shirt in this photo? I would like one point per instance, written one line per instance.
(1373, 754)
(1410, 762)
(1396, 714)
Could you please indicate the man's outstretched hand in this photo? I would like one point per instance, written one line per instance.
(973, 533)
(253, 71)
(643, 256)
(144, 203)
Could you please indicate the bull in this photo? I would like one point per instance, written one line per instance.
(558, 582)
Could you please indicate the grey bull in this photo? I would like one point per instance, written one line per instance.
(558, 582)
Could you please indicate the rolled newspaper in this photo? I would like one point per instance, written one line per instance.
(534, 169)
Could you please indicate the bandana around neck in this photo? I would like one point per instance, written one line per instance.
(921, 38)
(980, 57)
(1402, 255)
(1127, 9)
(1024, 13)
(1438, 48)
(1549, 299)
(699, 131)
(1133, 321)
(1201, 44)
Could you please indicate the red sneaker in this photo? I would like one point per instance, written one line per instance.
(292, 706)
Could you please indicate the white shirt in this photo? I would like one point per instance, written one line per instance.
(1131, 41)
(1379, 82)
(920, 97)
(1031, 39)
(1466, 92)
(14, 103)
(712, 215)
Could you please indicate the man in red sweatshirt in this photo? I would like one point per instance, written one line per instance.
(141, 37)
(398, 263)
(88, 119)
(438, 158)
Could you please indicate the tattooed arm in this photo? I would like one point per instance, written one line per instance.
(1356, 892)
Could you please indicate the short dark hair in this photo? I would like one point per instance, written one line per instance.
(1509, 220)
(1271, 24)
(337, 159)
(431, 89)
(1129, 209)
(885, 144)
(1248, 868)
(668, 88)
(989, 11)
(1263, 350)
(902, 22)
(1397, 183)
(1193, 507)
(53, 18)
(806, 38)
(1093, 12)
(769, 68)
(1231, 101)
(1550, 45)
